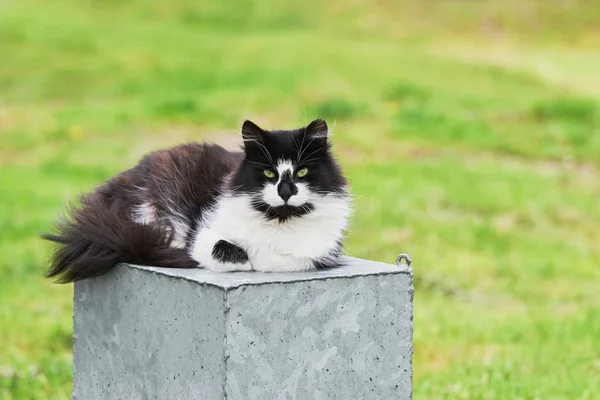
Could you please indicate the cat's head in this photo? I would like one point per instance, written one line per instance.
(288, 173)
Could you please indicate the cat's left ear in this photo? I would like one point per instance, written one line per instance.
(317, 132)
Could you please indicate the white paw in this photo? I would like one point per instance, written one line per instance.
(273, 262)
(228, 267)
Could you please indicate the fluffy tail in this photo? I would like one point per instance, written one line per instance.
(96, 239)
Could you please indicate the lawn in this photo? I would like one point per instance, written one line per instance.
(470, 132)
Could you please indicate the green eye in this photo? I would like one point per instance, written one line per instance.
(269, 174)
(302, 172)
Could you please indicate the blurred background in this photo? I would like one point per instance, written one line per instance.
(468, 129)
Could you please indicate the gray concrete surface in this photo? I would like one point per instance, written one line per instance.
(155, 333)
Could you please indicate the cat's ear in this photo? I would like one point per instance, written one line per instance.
(251, 131)
(252, 135)
(317, 132)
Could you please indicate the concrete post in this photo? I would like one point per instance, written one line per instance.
(155, 333)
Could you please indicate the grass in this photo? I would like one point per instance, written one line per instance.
(469, 131)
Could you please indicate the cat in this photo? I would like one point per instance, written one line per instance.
(280, 204)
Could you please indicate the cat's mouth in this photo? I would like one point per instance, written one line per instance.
(283, 212)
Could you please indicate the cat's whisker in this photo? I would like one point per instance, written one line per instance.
(307, 146)
(355, 208)
(304, 159)
(262, 148)
(265, 147)
(300, 150)
(317, 136)
(308, 161)
(358, 196)
(296, 147)
(260, 164)
(305, 115)
(235, 188)
(330, 130)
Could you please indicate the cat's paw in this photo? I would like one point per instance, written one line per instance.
(227, 252)
(217, 254)
(226, 256)
(267, 261)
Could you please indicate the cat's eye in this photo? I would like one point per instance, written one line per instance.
(302, 172)
(269, 174)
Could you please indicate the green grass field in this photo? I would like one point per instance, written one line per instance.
(470, 132)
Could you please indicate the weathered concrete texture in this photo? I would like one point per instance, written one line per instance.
(153, 333)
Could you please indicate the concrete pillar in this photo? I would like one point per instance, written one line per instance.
(155, 333)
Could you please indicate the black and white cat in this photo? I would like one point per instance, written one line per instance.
(280, 205)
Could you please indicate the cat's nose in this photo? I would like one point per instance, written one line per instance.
(286, 190)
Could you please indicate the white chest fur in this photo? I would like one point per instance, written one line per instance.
(292, 245)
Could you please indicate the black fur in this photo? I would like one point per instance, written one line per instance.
(281, 213)
(100, 233)
(96, 239)
(229, 252)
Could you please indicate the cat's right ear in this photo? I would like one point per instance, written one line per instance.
(251, 131)
(252, 135)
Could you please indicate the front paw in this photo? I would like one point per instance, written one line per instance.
(274, 262)
(226, 256)
(227, 252)
(216, 254)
